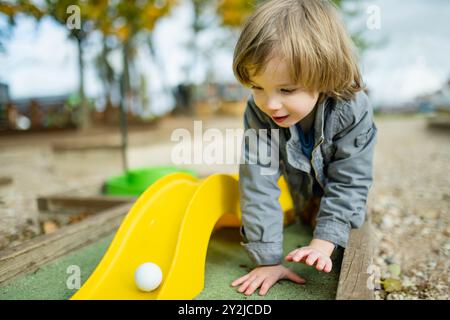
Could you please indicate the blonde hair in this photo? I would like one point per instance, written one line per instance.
(312, 38)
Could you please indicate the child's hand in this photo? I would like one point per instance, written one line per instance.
(265, 277)
(318, 251)
(311, 255)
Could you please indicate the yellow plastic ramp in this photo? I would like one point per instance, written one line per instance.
(170, 225)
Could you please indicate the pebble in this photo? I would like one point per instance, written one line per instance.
(387, 222)
(3, 242)
(395, 296)
(408, 282)
(429, 214)
(419, 274)
(49, 227)
(432, 264)
(447, 232)
(389, 260)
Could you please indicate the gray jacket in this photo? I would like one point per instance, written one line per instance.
(345, 136)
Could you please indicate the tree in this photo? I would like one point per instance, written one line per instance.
(203, 18)
(126, 22)
(234, 12)
(201, 21)
(349, 13)
(78, 17)
(105, 70)
(11, 10)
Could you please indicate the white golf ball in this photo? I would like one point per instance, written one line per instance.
(148, 276)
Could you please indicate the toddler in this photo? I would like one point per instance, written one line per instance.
(298, 60)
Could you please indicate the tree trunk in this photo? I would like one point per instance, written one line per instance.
(85, 119)
(124, 94)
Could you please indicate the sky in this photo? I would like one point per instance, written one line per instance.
(415, 56)
(411, 59)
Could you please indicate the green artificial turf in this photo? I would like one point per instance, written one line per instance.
(226, 261)
(49, 281)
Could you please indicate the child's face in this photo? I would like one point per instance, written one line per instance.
(277, 96)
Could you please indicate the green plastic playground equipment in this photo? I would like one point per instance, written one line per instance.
(135, 182)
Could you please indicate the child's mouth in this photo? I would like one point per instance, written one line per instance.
(279, 119)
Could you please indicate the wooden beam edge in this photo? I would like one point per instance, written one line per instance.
(358, 256)
(34, 253)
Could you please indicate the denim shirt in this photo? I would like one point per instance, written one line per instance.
(341, 163)
(307, 145)
(306, 140)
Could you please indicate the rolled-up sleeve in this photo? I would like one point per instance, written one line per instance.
(349, 175)
(262, 218)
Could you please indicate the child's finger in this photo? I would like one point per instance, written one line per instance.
(301, 254)
(328, 266)
(312, 258)
(253, 286)
(266, 285)
(291, 254)
(240, 280)
(291, 275)
(288, 258)
(245, 285)
(320, 264)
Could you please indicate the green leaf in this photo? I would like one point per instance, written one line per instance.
(392, 285)
(394, 270)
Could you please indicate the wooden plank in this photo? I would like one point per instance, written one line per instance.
(358, 256)
(86, 146)
(439, 123)
(94, 203)
(5, 181)
(29, 256)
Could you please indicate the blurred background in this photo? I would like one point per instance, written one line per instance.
(91, 89)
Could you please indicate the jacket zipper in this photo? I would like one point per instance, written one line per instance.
(312, 164)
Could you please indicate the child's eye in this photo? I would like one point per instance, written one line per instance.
(255, 88)
(287, 90)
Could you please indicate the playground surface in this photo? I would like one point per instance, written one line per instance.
(226, 260)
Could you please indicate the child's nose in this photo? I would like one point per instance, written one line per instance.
(273, 104)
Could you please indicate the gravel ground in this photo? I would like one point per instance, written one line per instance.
(409, 202)
(409, 205)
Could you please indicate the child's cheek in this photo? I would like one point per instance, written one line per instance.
(259, 101)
